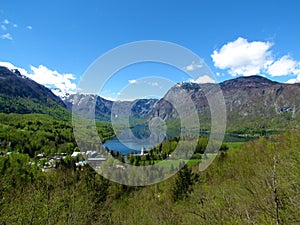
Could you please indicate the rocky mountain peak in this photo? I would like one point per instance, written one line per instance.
(254, 81)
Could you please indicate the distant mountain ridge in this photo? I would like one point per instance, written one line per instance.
(247, 99)
(252, 97)
(102, 108)
(247, 95)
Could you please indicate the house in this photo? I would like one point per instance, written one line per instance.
(95, 161)
(91, 154)
(41, 155)
(75, 154)
(80, 163)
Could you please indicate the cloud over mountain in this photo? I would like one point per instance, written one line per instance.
(60, 83)
(241, 57)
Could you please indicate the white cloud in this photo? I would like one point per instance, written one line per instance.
(60, 83)
(132, 81)
(203, 80)
(6, 36)
(53, 79)
(108, 94)
(293, 81)
(193, 66)
(151, 83)
(241, 57)
(29, 27)
(11, 67)
(154, 84)
(284, 66)
(5, 25)
(109, 98)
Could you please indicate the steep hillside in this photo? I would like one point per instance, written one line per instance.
(19, 94)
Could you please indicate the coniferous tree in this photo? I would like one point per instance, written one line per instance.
(182, 185)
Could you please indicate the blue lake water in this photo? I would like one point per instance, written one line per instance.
(132, 142)
(141, 138)
(124, 147)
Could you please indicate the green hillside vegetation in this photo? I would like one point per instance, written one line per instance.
(21, 105)
(252, 183)
(258, 126)
(165, 149)
(249, 184)
(244, 127)
(39, 133)
(22, 95)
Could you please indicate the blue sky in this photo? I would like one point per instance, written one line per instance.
(54, 42)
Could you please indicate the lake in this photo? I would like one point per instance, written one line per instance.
(140, 136)
(132, 142)
(124, 147)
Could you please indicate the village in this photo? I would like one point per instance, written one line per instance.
(93, 158)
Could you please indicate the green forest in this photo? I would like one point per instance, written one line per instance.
(256, 182)
(40, 133)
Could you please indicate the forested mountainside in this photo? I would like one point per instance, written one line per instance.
(19, 94)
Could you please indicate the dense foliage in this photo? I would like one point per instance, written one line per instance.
(61, 196)
(165, 149)
(9, 104)
(38, 133)
(248, 184)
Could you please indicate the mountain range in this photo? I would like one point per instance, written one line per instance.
(247, 99)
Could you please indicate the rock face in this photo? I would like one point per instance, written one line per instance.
(103, 109)
(252, 96)
(85, 105)
(245, 97)
(258, 96)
